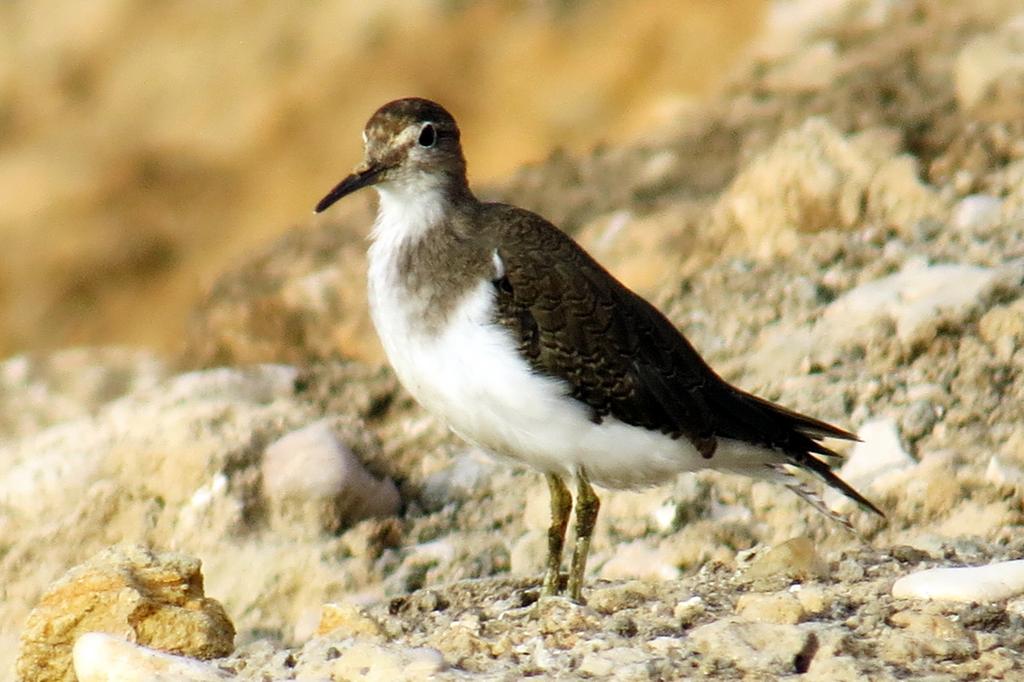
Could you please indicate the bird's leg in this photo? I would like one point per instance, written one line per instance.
(587, 506)
(561, 507)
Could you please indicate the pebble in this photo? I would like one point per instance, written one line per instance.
(617, 662)
(633, 514)
(596, 665)
(457, 482)
(559, 615)
(849, 570)
(781, 608)
(311, 478)
(1015, 607)
(689, 610)
(608, 600)
(926, 634)
(418, 560)
(927, 623)
(931, 488)
(526, 556)
(918, 419)
(878, 454)
(768, 649)
(976, 212)
(1003, 327)
(347, 620)
(833, 669)
(981, 584)
(100, 657)
(832, 662)
(369, 662)
(794, 559)
(812, 598)
(1000, 473)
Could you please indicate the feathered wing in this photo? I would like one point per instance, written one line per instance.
(623, 358)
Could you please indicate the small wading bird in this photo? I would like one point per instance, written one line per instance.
(499, 323)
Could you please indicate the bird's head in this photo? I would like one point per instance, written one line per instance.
(409, 143)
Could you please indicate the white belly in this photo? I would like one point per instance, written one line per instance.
(472, 376)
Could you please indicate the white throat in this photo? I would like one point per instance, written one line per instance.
(406, 212)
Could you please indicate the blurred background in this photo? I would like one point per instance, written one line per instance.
(145, 147)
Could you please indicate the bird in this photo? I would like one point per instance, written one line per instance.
(499, 323)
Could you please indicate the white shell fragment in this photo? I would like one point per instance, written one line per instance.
(100, 657)
(994, 582)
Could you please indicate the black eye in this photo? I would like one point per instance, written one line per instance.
(428, 136)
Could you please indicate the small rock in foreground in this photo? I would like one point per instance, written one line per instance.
(154, 599)
(767, 648)
(104, 658)
(315, 481)
(980, 584)
(794, 559)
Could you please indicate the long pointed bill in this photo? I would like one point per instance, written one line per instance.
(357, 180)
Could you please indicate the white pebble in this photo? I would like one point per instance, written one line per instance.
(665, 516)
(878, 453)
(99, 657)
(1001, 473)
(976, 212)
(980, 584)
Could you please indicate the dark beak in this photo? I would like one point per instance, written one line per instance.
(358, 180)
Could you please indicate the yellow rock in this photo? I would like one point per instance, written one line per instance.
(795, 558)
(781, 607)
(155, 600)
(347, 620)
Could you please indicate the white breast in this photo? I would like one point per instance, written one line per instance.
(471, 375)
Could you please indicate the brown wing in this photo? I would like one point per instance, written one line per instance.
(622, 358)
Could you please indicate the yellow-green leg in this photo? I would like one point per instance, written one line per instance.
(587, 506)
(561, 507)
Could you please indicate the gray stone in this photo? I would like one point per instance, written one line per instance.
(460, 481)
(767, 649)
(312, 479)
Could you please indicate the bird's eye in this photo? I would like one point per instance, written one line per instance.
(428, 136)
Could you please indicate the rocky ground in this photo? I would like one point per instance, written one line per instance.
(841, 229)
